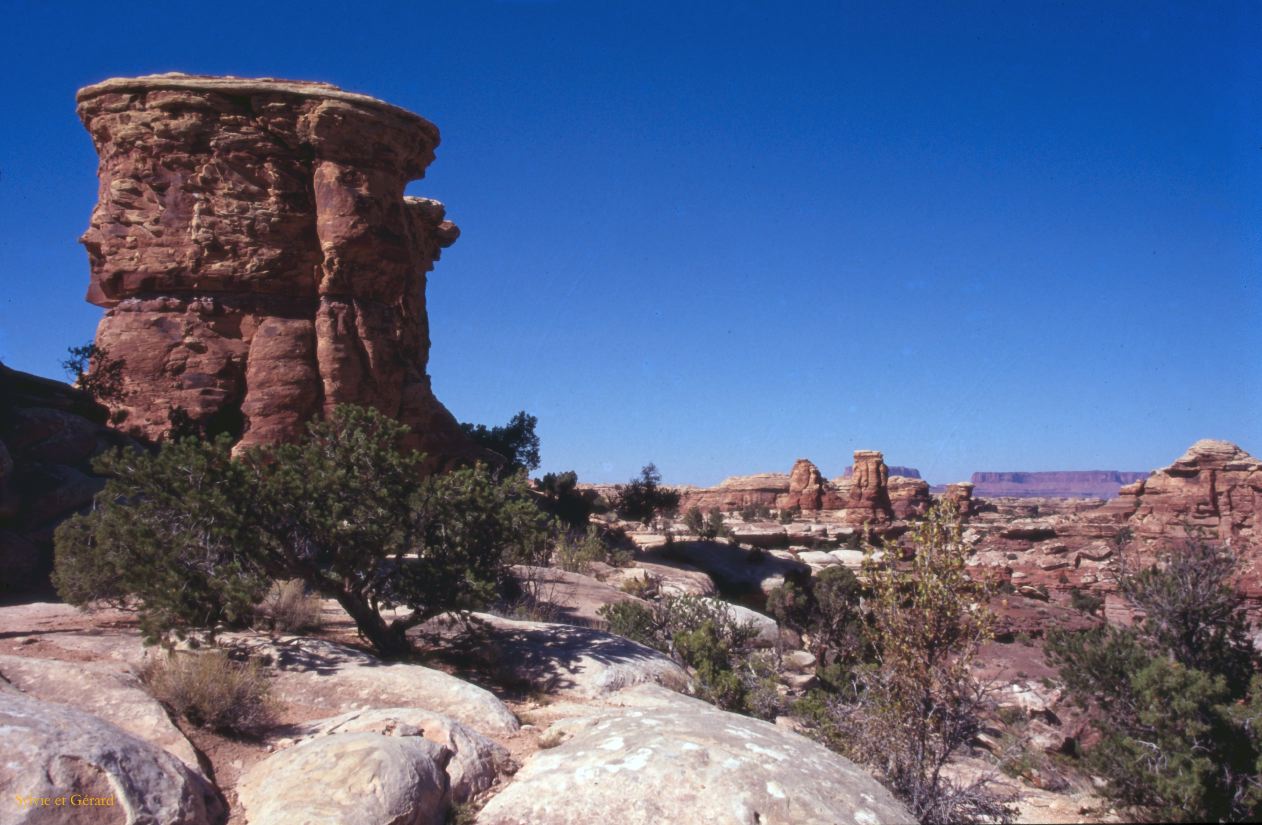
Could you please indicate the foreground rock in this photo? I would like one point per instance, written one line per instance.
(476, 761)
(313, 675)
(350, 779)
(53, 751)
(668, 758)
(106, 690)
(257, 258)
(563, 660)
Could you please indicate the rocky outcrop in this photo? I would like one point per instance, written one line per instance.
(1215, 487)
(100, 772)
(475, 763)
(1057, 484)
(49, 433)
(350, 778)
(909, 497)
(808, 490)
(668, 758)
(961, 495)
(257, 258)
(868, 501)
(736, 492)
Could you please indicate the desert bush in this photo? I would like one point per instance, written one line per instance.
(193, 538)
(290, 608)
(755, 512)
(644, 499)
(93, 370)
(787, 515)
(1177, 698)
(211, 690)
(706, 527)
(1085, 602)
(563, 499)
(516, 441)
(916, 704)
(827, 607)
(578, 552)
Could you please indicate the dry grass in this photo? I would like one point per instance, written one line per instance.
(211, 690)
(289, 608)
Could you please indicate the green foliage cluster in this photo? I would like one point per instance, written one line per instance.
(577, 552)
(644, 499)
(193, 538)
(93, 370)
(1085, 602)
(825, 607)
(701, 634)
(516, 441)
(1177, 697)
(755, 512)
(908, 701)
(563, 499)
(706, 527)
(787, 515)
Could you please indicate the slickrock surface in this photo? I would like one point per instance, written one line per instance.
(669, 758)
(257, 258)
(736, 492)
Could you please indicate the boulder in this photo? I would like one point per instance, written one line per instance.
(476, 761)
(101, 772)
(677, 579)
(350, 779)
(325, 676)
(107, 690)
(656, 757)
(767, 628)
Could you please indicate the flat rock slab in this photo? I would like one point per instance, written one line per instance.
(668, 758)
(476, 761)
(563, 660)
(574, 597)
(735, 569)
(107, 690)
(329, 678)
(349, 779)
(53, 751)
(678, 579)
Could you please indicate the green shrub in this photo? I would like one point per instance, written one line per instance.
(194, 538)
(563, 499)
(1085, 602)
(644, 499)
(705, 527)
(211, 690)
(1179, 704)
(755, 512)
(577, 553)
(516, 441)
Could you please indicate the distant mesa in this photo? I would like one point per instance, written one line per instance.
(1057, 484)
(257, 259)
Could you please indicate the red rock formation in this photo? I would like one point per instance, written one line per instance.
(762, 489)
(868, 500)
(257, 257)
(808, 490)
(894, 469)
(1215, 487)
(1057, 484)
(909, 497)
(961, 494)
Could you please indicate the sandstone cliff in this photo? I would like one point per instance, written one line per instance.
(257, 258)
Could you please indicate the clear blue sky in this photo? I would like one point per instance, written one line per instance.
(977, 236)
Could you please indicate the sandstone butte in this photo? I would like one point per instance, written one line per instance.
(257, 258)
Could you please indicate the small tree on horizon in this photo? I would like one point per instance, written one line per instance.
(644, 499)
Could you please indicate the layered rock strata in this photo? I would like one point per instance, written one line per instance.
(257, 258)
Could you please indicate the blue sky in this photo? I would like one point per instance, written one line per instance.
(976, 236)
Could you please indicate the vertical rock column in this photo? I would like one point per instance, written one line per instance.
(257, 258)
(869, 500)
